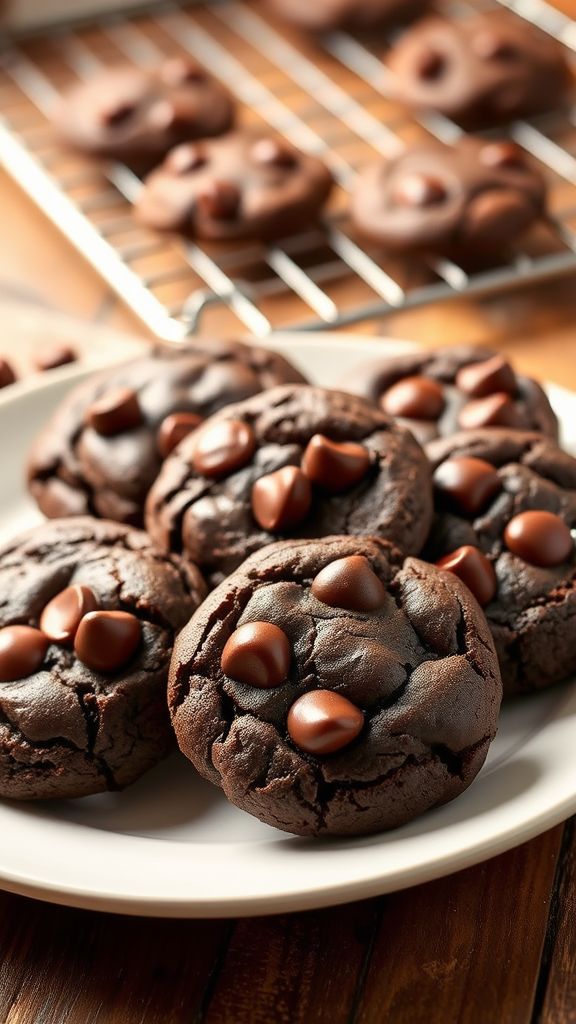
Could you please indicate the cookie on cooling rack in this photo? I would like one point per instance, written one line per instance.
(244, 185)
(105, 444)
(329, 690)
(443, 391)
(88, 614)
(322, 15)
(137, 115)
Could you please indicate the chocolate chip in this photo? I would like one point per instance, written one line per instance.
(258, 654)
(175, 428)
(498, 410)
(63, 614)
(321, 722)
(481, 379)
(281, 500)
(466, 484)
(418, 190)
(106, 641)
(491, 46)
(502, 154)
(186, 158)
(335, 466)
(350, 583)
(220, 201)
(430, 65)
(416, 398)
(7, 375)
(181, 70)
(497, 215)
(474, 569)
(539, 538)
(223, 447)
(53, 356)
(115, 412)
(22, 651)
(273, 152)
(117, 115)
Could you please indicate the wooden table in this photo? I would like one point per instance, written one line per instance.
(492, 945)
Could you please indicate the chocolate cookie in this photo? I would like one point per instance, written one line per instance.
(480, 71)
(467, 201)
(88, 613)
(506, 523)
(293, 462)
(323, 15)
(104, 446)
(137, 115)
(245, 185)
(328, 690)
(441, 392)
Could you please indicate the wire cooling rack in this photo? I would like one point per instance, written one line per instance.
(326, 96)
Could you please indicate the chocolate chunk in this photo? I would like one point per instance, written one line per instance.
(482, 379)
(495, 216)
(502, 154)
(540, 538)
(321, 722)
(22, 651)
(281, 500)
(106, 641)
(53, 356)
(417, 398)
(335, 466)
(7, 375)
(273, 152)
(474, 569)
(115, 412)
(350, 583)
(258, 654)
(498, 410)
(223, 448)
(175, 428)
(467, 484)
(220, 201)
(419, 190)
(63, 614)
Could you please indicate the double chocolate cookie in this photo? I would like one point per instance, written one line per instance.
(480, 71)
(104, 446)
(328, 690)
(137, 115)
(293, 462)
(468, 200)
(461, 388)
(323, 15)
(88, 614)
(245, 185)
(506, 525)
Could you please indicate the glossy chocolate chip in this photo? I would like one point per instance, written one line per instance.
(350, 583)
(63, 614)
(273, 153)
(539, 538)
(430, 65)
(498, 410)
(419, 190)
(7, 375)
(115, 412)
(186, 158)
(53, 356)
(322, 722)
(223, 447)
(466, 484)
(335, 466)
(106, 641)
(220, 201)
(482, 379)
(175, 428)
(502, 154)
(474, 569)
(258, 654)
(281, 500)
(415, 398)
(22, 651)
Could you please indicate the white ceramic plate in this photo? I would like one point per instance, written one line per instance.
(172, 846)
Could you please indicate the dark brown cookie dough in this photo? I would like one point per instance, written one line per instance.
(88, 613)
(329, 690)
(480, 71)
(104, 446)
(323, 15)
(511, 496)
(293, 462)
(468, 200)
(244, 185)
(440, 392)
(136, 116)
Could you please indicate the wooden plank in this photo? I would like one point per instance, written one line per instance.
(557, 1002)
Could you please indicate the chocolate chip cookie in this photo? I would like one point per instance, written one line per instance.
(292, 462)
(329, 690)
(323, 15)
(244, 185)
(468, 201)
(505, 523)
(88, 613)
(104, 446)
(441, 392)
(479, 71)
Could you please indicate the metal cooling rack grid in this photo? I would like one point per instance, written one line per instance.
(328, 100)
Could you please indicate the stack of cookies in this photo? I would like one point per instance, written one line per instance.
(317, 594)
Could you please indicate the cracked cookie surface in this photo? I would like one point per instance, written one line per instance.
(66, 729)
(413, 687)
